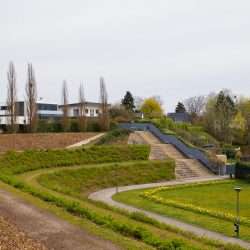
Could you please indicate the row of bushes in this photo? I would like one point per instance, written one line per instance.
(56, 127)
(242, 169)
(139, 232)
(115, 135)
(13, 162)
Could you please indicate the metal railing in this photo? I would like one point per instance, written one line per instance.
(133, 128)
(171, 139)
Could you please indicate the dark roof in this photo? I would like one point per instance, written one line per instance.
(90, 103)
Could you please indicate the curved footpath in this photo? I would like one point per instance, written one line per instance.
(106, 196)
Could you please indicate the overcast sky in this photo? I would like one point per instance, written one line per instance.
(175, 49)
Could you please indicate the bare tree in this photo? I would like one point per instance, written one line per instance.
(158, 99)
(195, 105)
(12, 110)
(31, 100)
(138, 101)
(66, 122)
(82, 118)
(210, 95)
(103, 112)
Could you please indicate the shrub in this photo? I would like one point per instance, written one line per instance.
(248, 178)
(115, 135)
(238, 155)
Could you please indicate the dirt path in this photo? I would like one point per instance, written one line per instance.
(48, 228)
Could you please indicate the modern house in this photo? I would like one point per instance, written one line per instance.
(179, 117)
(46, 110)
(91, 109)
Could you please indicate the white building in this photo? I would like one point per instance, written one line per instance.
(91, 109)
(48, 110)
(45, 111)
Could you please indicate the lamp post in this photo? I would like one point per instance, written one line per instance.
(116, 165)
(231, 174)
(236, 227)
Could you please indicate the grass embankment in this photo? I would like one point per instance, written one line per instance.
(216, 197)
(103, 216)
(135, 222)
(84, 181)
(15, 163)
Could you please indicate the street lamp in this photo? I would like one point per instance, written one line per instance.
(231, 175)
(236, 225)
(116, 165)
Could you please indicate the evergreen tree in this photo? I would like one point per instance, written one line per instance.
(128, 101)
(180, 108)
(225, 113)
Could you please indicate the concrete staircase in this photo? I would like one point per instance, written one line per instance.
(136, 139)
(186, 168)
(156, 153)
(183, 171)
(149, 138)
(170, 151)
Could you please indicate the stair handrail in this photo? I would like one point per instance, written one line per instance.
(133, 127)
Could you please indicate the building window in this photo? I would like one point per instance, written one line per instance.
(92, 112)
(96, 111)
(76, 112)
(87, 111)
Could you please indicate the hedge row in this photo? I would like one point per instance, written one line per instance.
(57, 128)
(242, 169)
(13, 162)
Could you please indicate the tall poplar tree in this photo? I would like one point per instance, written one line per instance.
(103, 111)
(12, 111)
(82, 118)
(66, 122)
(31, 100)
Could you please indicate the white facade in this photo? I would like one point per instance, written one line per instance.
(91, 109)
(3, 118)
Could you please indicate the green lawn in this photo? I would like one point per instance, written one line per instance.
(219, 197)
(233, 161)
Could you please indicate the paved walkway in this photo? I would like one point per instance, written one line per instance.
(106, 196)
(78, 144)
